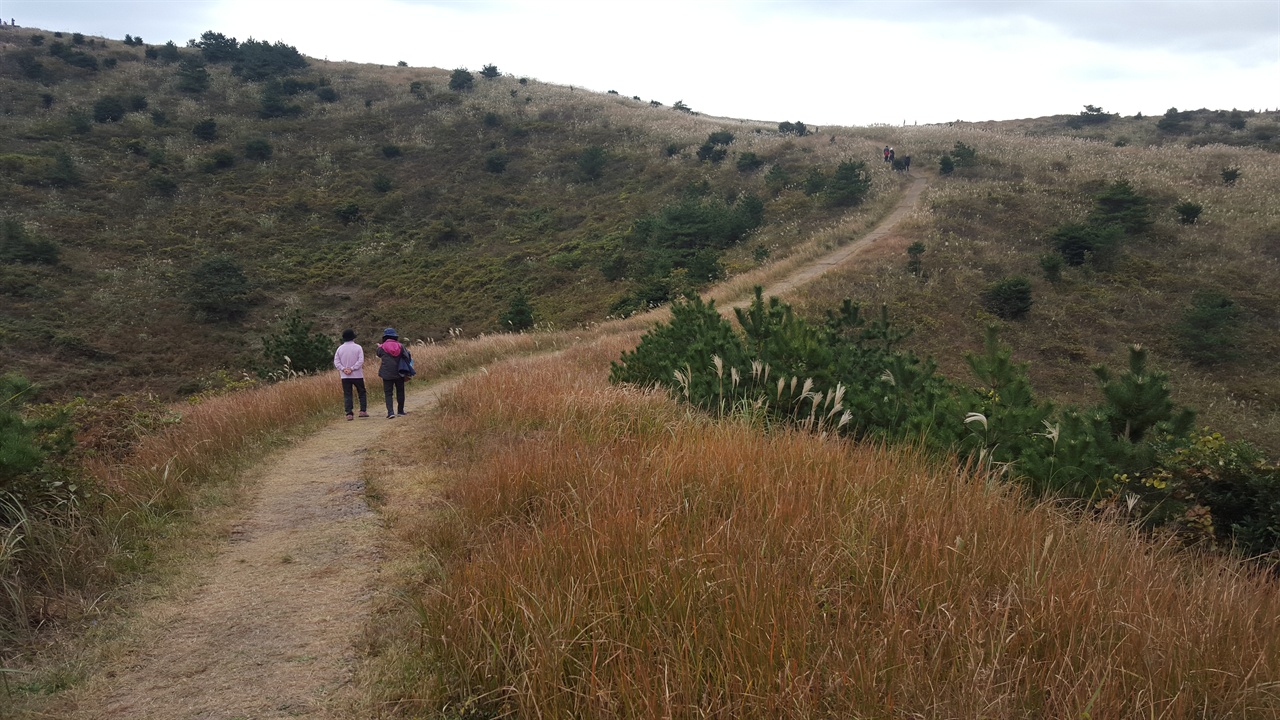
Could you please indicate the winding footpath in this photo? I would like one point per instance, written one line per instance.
(272, 628)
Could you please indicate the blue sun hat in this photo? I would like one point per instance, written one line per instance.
(389, 333)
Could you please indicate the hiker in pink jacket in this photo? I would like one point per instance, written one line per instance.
(349, 359)
(391, 351)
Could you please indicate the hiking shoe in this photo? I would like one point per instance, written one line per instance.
(364, 414)
(350, 416)
(391, 416)
(402, 413)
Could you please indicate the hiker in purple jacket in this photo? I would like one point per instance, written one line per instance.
(390, 350)
(349, 359)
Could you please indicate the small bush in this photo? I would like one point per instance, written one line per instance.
(1230, 175)
(327, 94)
(749, 162)
(1188, 212)
(347, 213)
(461, 80)
(1009, 298)
(946, 165)
(1209, 330)
(108, 108)
(258, 149)
(220, 159)
(1051, 264)
(217, 289)
(720, 137)
(849, 185)
(518, 315)
(1080, 242)
(915, 258)
(37, 40)
(492, 120)
(162, 185)
(206, 130)
(793, 128)
(390, 151)
(295, 346)
(136, 103)
(109, 63)
(496, 162)
(964, 156)
(591, 162)
(159, 118)
(489, 72)
(402, 63)
(382, 183)
(16, 246)
(709, 152)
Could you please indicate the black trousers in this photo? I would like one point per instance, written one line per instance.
(358, 384)
(398, 385)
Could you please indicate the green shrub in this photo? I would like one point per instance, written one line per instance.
(260, 60)
(815, 182)
(915, 258)
(518, 315)
(720, 137)
(16, 246)
(136, 103)
(1009, 298)
(749, 162)
(1188, 212)
(489, 72)
(390, 151)
(218, 48)
(461, 80)
(65, 173)
(848, 186)
(327, 94)
(217, 289)
(293, 86)
(162, 185)
(274, 103)
(206, 130)
(169, 53)
(109, 63)
(1208, 332)
(963, 155)
(1230, 175)
(1120, 205)
(793, 128)
(1051, 264)
(347, 213)
(592, 161)
(946, 165)
(710, 152)
(1082, 242)
(382, 183)
(159, 118)
(496, 162)
(1174, 122)
(258, 149)
(108, 108)
(1092, 115)
(220, 159)
(37, 39)
(292, 345)
(30, 480)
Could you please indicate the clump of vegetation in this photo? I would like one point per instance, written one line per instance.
(1208, 332)
(206, 130)
(218, 290)
(294, 347)
(793, 128)
(258, 149)
(461, 80)
(17, 246)
(1008, 299)
(489, 72)
(915, 258)
(518, 316)
(592, 161)
(1188, 212)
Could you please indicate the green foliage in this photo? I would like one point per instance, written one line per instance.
(220, 159)
(710, 152)
(1188, 212)
(720, 137)
(591, 162)
(1009, 299)
(489, 72)
(1051, 264)
(946, 165)
(162, 185)
(347, 213)
(1230, 175)
(1081, 242)
(461, 80)
(793, 128)
(65, 173)
(915, 258)
(963, 155)
(849, 185)
(17, 246)
(749, 162)
(218, 48)
(136, 103)
(217, 289)
(518, 315)
(496, 162)
(169, 53)
(327, 94)
(1236, 120)
(206, 130)
(1120, 205)
(258, 149)
(382, 183)
(260, 60)
(1093, 115)
(294, 346)
(274, 102)
(1174, 122)
(108, 108)
(1138, 400)
(1209, 331)
(390, 151)
(815, 182)
(30, 481)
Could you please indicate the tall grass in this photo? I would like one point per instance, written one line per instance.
(606, 553)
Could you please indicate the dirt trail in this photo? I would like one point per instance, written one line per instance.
(272, 628)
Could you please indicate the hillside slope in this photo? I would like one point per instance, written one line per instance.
(192, 203)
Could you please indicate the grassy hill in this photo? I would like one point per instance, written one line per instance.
(192, 202)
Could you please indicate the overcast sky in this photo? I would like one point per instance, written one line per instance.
(823, 62)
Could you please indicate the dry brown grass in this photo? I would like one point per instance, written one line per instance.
(602, 552)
